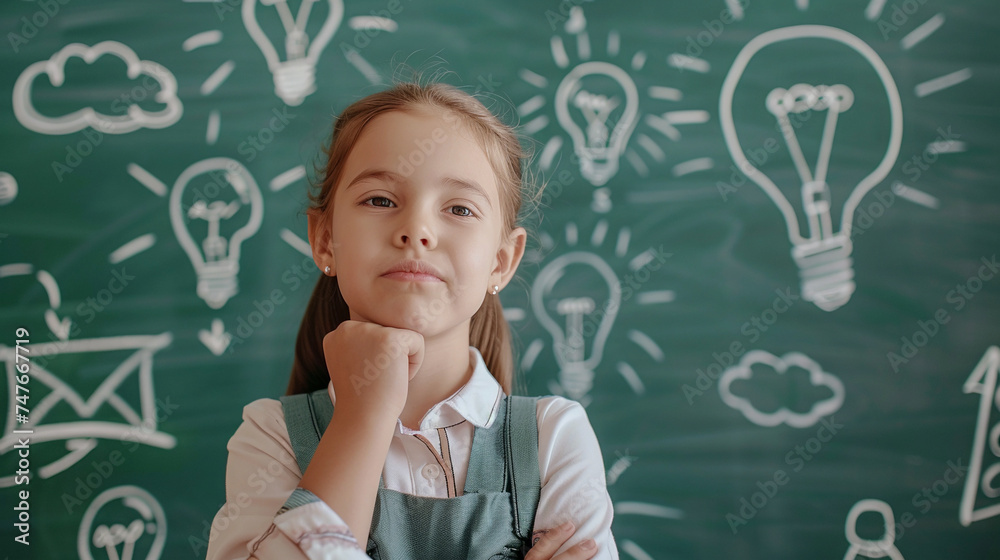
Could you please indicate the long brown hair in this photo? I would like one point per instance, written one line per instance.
(488, 331)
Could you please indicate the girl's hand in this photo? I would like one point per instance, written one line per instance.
(371, 365)
(550, 542)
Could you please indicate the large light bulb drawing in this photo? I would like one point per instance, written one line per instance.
(216, 259)
(824, 254)
(294, 77)
(598, 143)
(579, 318)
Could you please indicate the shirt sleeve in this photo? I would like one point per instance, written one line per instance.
(572, 477)
(266, 516)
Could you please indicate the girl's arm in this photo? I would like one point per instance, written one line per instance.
(572, 477)
(261, 475)
(345, 469)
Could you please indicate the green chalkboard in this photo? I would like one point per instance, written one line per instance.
(771, 232)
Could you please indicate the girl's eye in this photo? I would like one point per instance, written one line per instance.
(378, 198)
(467, 214)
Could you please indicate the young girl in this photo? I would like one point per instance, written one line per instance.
(424, 455)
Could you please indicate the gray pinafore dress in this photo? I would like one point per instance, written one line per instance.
(492, 520)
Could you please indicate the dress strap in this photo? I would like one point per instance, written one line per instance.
(486, 471)
(522, 456)
(306, 417)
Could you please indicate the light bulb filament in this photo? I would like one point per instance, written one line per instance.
(296, 40)
(574, 309)
(815, 191)
(213, 245)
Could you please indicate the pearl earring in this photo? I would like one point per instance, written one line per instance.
(495, 290)
(327, 270)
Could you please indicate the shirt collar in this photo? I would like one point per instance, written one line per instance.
(477, 401)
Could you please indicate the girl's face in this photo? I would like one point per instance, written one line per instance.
(417, 187)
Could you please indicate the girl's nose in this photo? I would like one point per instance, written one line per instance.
(416, 228)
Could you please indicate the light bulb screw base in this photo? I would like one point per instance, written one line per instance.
(294, 80)
(826, 270)
(217, 282)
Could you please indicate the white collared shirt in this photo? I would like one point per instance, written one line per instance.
(262, 476)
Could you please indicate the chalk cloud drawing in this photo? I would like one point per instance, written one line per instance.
(81, 435)
(124, 516)
(983, 380)
(885, 547)
(823, 255)
(294, 77)
(134, 119)
(602, 110)
(215, 258)
(818, 377)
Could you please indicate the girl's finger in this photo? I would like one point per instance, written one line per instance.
(548, 542)
(580, 551)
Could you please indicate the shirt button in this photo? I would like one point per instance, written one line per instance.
(431, 471)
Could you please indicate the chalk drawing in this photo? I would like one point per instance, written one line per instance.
(824, 253)
(983, 381)
(135, 118)
(295, 76)
(885, 547)
(817, 377)
(115, 527)
(140, 426)
(215, 258)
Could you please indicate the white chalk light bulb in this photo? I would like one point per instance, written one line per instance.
(584, 114)
(579, 318)
(294, 77)
(216, 260)
(824, 254)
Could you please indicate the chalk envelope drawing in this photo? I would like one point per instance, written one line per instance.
(139, 426)
(983, 380)
(134, 119)
(823, 253)
(151, 520)
(783, 415)
(885, 547)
